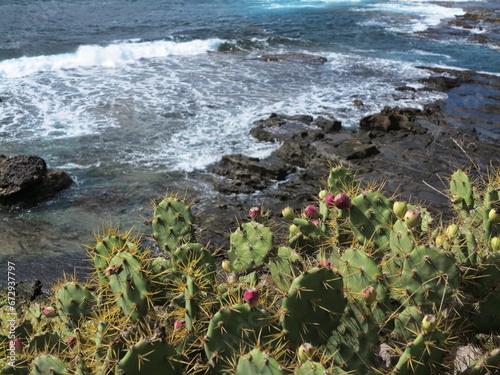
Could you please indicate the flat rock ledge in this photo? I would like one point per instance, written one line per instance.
(412, 152)
(25, 179)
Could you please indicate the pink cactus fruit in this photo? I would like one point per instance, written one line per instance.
(49, 312)
(18, 345)
(329, 200)
(312, 212)
(342, 201)
(254, 213)
(252, 296)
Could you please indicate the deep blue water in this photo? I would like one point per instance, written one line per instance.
(128, 96)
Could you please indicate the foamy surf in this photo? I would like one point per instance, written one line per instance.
(110, 56)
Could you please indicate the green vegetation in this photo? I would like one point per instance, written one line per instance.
(376, 286)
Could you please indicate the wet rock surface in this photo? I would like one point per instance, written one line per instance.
(411, 151)
(25, 179)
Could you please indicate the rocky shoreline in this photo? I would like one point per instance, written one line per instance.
(411, 151)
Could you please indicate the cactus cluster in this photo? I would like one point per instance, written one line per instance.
(360, 284)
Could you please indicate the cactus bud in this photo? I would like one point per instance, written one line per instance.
(288, 213)
(49, 312)
(456, 199)
(315, 222)
(429, 323)
(254, 213)
(440, 240)
(495, 244)
(294, 230)
(329, 200)
(369, 294)
(252, 297)
(494, 215)
(226, 265)
(399, 209)
(306, 352)
(452, 230)
(18, 345)
(412, 218)
(323, 194)
(312, 212)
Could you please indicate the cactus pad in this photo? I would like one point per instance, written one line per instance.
(313, 306)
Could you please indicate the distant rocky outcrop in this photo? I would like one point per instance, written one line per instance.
(26, 179)
(295, 57)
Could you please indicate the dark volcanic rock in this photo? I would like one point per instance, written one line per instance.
(25, 178)
(411, 151)
(246, 175)
(391, 119)
(295, 57)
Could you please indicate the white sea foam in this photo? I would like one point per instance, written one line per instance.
(414, 15)
(113, 55)
(183, 113)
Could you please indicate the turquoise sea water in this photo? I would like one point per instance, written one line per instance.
(130, 96)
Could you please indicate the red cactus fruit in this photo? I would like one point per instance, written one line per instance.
(342, 201)
(252, 296)
(312, 212)
(254, 213)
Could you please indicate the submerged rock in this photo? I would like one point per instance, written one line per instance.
(26, 179)
(295, 57)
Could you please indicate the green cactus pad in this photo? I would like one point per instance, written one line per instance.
(429, 277)
(106, 249)
(251, 245)
(341, 180)
(173, 223)
(74, 302)
(235, 329)
(461, 191)
(407, 324)
(258, 362)
(313, 306)
(149, 357)
(371, 219)
(130, 285)
(46, 342)
(201, 263)
(422, 356)
(285, 267)
(311, 368)
(49, 365)
(352, 344)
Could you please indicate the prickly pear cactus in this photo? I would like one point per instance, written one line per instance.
(342, 180)
(129, 284)
(173, 223)
(49, 365)
(236, 328)
(313, 306)
(258, 362)
(429, 277)
(149, 356)
(462, 194)
(371, 219)
(286, 266)
(74, 302)
(251, 245)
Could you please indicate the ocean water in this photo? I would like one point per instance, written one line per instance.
(130, 96)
